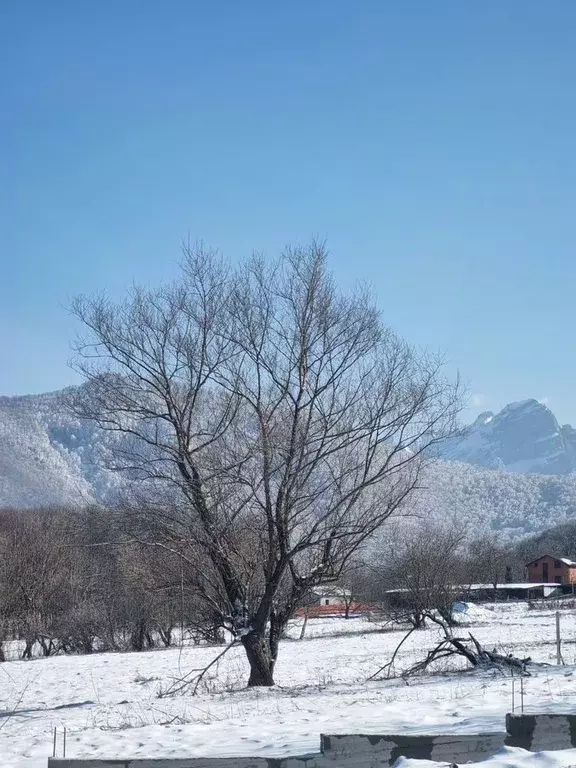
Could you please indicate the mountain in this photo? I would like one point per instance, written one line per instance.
(524, 438)
(494, 499)
(50, 458)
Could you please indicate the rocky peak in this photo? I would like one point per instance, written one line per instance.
(524, 437)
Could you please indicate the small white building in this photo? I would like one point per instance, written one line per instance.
(330, 594)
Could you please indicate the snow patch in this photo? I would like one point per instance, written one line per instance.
(322, 688)
(471, 613)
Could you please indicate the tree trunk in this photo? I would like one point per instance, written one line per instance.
(259, 659)
(417, 619)
(278, 623)
(138, 637)
(166, 636)
(27, 653)
(215, 636)
(87, 645)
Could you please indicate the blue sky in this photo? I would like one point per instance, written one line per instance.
(431, 143)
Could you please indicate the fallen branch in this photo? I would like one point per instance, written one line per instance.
(470, 649)
(450, 646)
(390, 664)
(497, 658)
(194, 677)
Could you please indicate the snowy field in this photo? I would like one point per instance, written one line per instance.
(110, 706)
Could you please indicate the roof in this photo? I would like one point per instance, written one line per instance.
(565, 560)
(526, 585)
(327, 590)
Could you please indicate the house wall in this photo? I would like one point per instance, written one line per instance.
(328, 598)
(571, 576)
(331, 600)
(557, 571)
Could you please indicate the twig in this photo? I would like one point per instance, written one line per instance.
(390, 664)
(181, 684)
(14, 711)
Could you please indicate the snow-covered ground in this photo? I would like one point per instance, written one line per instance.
(110, 706)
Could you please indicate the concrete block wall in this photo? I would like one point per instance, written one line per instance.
(532, 732)
(539, 732)
(342, 751)
(194, 762)
(373, 750)
(200, 762)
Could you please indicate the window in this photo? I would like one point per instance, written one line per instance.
(327, 602)
(557, 564)
(558, 579)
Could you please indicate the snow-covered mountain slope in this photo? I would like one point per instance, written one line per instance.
(493, 499)
(524, 437)
(48, 457)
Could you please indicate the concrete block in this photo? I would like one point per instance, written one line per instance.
(57, 762)
(539, 732)
(386, 749)
(304, 761)
(191, 762)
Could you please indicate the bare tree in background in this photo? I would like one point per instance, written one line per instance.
(489, 561)
(272, 424)
(427, 571)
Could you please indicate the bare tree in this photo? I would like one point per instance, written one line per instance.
(36, 573)
(489, 561)
(270, 421)
(425, 571)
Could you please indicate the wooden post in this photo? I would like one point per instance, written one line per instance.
(54, 747)
(558, 640)
(303, 630)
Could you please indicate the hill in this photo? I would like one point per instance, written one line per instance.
(48, 458)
